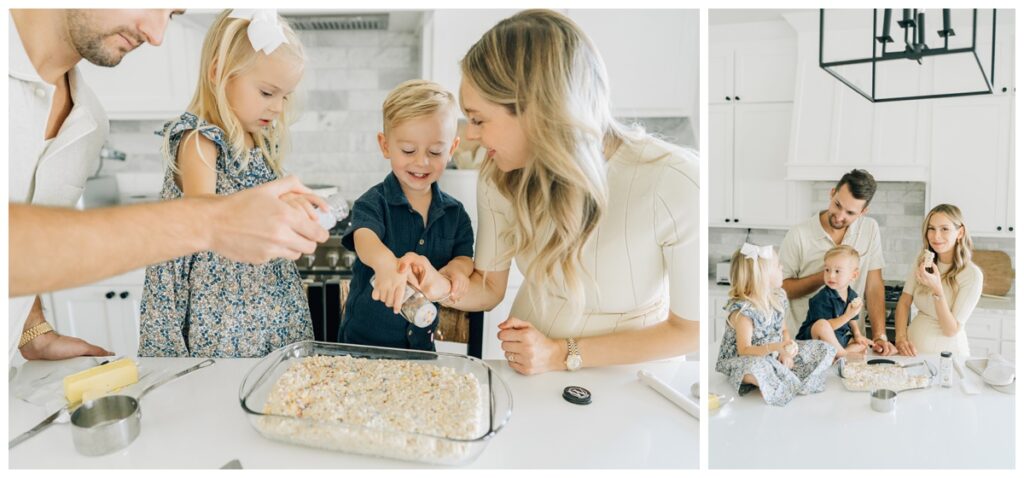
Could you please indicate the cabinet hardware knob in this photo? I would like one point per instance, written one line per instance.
(1004, 89)
(109, 295)
(1011, 228)
(124, 295)
(728, 220)
(728, 98)
(999, 228)
(736, 220)
(737, 98)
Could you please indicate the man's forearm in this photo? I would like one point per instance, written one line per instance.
(57, 248)
(804, 286)
(876, 307)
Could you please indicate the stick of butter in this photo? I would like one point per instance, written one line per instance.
(97, 381)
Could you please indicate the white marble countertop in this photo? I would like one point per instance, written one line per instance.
(931, 428)
(196, 422)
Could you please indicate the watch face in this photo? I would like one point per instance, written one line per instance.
(573, 362)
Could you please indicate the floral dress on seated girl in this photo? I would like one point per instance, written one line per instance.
(205, 305)
(778, 384)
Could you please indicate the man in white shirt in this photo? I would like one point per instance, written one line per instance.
(802, 254)
(57, 127)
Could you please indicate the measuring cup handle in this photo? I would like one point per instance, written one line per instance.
(204, 363)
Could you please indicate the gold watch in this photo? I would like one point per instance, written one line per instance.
(31, 334)
(573, 360)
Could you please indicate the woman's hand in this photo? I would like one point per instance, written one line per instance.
(931, 280)
(424, 276)
(529, 351)
(389, 288)
(905, 347)
(305, 203)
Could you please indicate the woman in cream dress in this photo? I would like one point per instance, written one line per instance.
(602, 218)
(944, 290)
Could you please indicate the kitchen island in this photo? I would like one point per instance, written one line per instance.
(197, 422)
(930, 428)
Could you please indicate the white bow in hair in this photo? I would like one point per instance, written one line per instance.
(265, 32)
(753, 252)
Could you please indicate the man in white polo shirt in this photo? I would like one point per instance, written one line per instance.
(802, 254)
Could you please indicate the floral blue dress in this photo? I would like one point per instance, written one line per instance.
(778, 384)
(205, 305)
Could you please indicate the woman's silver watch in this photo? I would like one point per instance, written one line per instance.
(573, 360)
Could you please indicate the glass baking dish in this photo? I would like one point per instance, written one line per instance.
(495, 408)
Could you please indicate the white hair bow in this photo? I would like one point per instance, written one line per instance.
(265, 32)
(753, 252)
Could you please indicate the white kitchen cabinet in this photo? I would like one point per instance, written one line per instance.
(971, 152)
(747, 156)
(652, 57)
(151, 82)
(991, 332)
(717, 298)
(983, 347)
(645, 81)
(751, 64)
(105, 314)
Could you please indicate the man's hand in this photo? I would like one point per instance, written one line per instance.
(51, 346)
(882, 346)
(256, 225)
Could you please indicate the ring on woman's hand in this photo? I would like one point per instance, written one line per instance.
(511, 357)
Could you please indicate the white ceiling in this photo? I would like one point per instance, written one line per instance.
(732, 16)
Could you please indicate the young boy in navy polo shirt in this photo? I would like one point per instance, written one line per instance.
(406, 214)
(831, 311)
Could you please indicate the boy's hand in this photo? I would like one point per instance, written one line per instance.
(862, 340)
(389, 288)
(460, 284)
(854, 307)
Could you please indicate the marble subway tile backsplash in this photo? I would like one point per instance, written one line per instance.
(334, 138)
(899, 208)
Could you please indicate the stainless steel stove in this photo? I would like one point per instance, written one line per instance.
(893, 290)
(325, 276)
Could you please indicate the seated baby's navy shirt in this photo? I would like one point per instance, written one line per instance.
(827, 304)
(386, 211)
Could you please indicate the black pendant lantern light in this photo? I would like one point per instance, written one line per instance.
(907, 61)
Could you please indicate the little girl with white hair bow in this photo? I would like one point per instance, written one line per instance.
(231, 137)
(756, 349)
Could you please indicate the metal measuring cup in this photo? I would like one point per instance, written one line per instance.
(111, 423)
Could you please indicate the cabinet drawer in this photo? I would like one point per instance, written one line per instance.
(1008, 349)
(983, 347)
(983, 327)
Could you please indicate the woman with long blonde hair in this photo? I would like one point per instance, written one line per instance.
(231, 138)
(601, 218)
(944, 286)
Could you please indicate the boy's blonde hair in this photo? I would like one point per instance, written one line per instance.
(415, 99)
(843, 251)
(749, 279)
(227, 52)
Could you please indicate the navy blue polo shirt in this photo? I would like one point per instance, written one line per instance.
(386, 211)
(827, 304)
